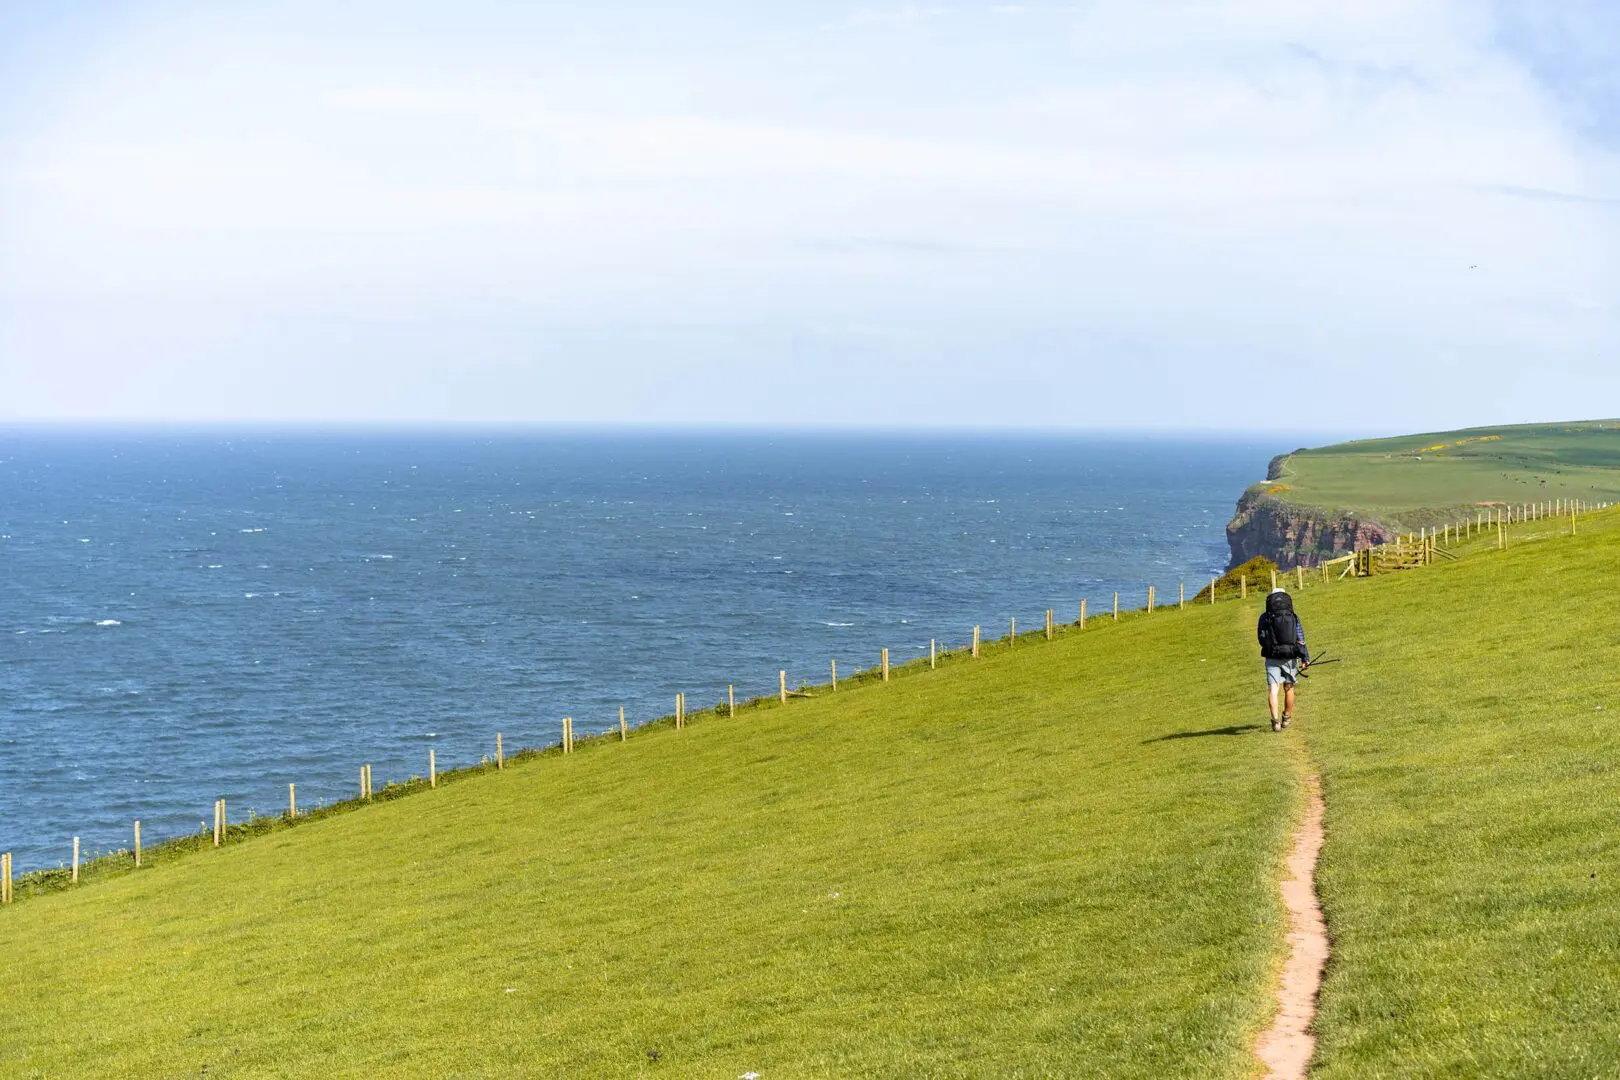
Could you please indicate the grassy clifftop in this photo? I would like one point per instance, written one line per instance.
(1318, 504)
(1058, 860)
(1393, 479)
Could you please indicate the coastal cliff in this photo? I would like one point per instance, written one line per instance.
(1267, 523)
(1318, 503)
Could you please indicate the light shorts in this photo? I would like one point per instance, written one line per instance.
(1282, 672)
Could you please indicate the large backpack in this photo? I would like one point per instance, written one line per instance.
(1282, 628)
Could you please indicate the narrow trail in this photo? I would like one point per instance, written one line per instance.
(1285, 1047)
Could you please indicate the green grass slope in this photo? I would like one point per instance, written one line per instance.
(1016, 866)
(1470, 756)
(1059, 860)
(1394, 480)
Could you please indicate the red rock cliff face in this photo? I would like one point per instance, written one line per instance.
(1267, 524)
(1295, 536)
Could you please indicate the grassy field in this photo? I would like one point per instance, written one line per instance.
(1471, 876)
(1059, 860)
(1420, 479)
(1033, 864)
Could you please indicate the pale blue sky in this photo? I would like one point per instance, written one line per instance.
(1388, 215)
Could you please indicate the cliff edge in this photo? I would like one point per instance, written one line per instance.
(1267, 523)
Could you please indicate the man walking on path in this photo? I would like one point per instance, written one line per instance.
(1282, 643)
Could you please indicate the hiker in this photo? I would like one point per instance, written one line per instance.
(1282, 643)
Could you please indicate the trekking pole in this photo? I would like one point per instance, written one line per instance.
(1304, 672)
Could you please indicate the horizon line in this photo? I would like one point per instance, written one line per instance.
(296, 426)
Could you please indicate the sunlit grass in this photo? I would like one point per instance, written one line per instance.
(1002, 867)
(1472, 773)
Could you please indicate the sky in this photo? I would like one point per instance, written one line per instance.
(1231, 215)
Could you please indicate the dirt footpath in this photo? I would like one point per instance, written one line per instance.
(1285, 1048)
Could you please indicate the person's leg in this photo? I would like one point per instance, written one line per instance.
(1271, 697)
(1288, 702)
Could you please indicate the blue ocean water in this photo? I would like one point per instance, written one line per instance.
(202, 615)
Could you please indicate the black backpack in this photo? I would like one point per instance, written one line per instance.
(1282, 628)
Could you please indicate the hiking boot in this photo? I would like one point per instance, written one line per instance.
(1276, 725)
(1286, 718)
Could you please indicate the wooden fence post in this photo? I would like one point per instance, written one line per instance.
(137, 843)
(1243, 586)
(1299, 573)
(568, 735)
(1183, 600)
(433, 768)
(1274, 581)
(1048, 624)
(292, 793)
(835, 676)
(1150, 599)
(781, 680)
(731, 704)
(975, 643)
(75, 859)
(883, 661)
(1082, 614)
(1012, 633)
(5, 878)
(1212, 582)
(500, 754)
(932, 659)
(680, 711)
(1116, 605)
(216, 809)
(624, 729)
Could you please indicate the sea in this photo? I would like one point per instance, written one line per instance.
(192, 615)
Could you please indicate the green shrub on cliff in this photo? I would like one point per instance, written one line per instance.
(1258, 570)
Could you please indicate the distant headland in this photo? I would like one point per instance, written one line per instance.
(1315, 504)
